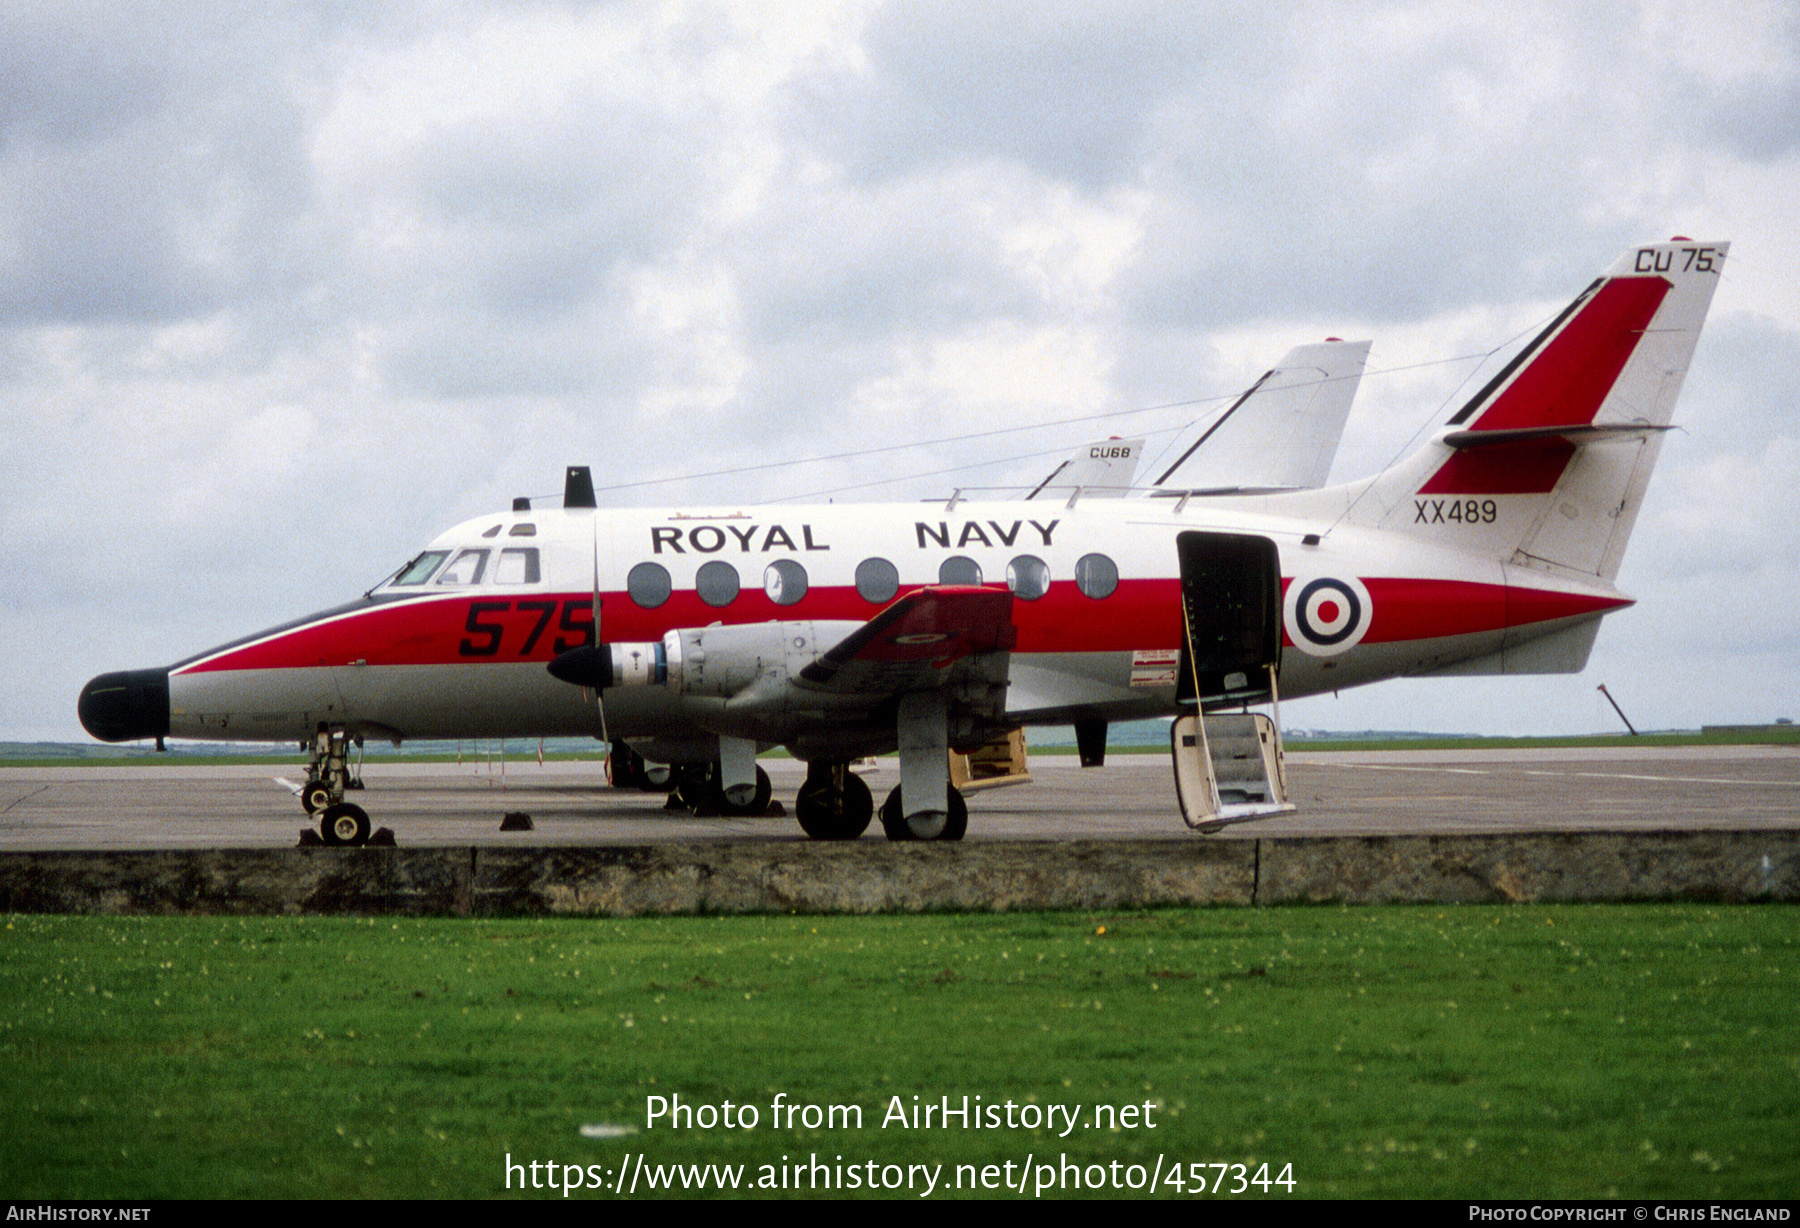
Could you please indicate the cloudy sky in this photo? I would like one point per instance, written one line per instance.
(285, 289)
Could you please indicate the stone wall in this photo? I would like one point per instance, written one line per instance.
(872, 876)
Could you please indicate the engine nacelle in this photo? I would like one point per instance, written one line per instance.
(746, 662)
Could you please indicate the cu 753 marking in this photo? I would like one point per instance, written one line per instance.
(1455, 511)
(486, 634)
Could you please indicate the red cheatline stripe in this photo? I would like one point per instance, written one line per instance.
(1142, 614)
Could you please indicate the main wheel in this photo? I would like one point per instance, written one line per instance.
(618, 771)
(693, 788)
(316, 796)
(344, 823)
(826, 813)
(950, 824)
(758, 801)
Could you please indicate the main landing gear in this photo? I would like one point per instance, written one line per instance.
(328, 775)
(699, 787)
(626, 769)
(948, 824)
(834, 803)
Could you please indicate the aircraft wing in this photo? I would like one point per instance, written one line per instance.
(1283, 433)
(931, 638)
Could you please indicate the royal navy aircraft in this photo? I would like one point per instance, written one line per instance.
(703, 636)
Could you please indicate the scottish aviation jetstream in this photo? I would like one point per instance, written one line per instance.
(698, 638)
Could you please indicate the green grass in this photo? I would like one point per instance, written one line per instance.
(1594, 1051)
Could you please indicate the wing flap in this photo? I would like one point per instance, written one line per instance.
(913, 643)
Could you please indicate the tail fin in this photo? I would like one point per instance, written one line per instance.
(1099, 470)
(1546, 466)
(1281, 434)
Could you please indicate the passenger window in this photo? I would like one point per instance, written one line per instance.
(959, 570)
(877, 580)
(648, 584)
(419, 570)
(717, 582)
(1096, 576)
(784, 581)
(1028, 577)
(517, 567)
(465, 568)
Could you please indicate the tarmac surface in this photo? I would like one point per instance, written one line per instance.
(1339, 793)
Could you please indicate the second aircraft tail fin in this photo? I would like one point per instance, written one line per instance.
(1283, 432)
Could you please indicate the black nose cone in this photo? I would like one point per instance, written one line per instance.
(130, 704)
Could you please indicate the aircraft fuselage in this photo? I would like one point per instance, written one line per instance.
(463, 653)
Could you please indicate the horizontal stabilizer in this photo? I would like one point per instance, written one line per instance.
(1568, 434)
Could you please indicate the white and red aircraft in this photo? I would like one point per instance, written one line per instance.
(844, 631)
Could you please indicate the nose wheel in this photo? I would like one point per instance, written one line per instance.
(344, 823)
(328, 775)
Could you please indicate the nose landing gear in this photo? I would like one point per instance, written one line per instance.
(328, 775)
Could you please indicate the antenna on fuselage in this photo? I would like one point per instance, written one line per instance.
(578, 488)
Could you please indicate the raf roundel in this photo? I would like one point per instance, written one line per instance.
(1326, 615)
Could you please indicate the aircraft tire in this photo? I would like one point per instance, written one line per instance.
(821, 819)
(692, 787)
(315, 796)
(656, 777)
(624, 767)
(344, 823)
(955, 823)
(758, 803)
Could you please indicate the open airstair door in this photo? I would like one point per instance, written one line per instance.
(1228, 766)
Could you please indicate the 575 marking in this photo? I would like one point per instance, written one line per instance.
(486, 633)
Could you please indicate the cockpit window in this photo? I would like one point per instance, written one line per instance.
(419, 570)
(465, 568)
(517, 567)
